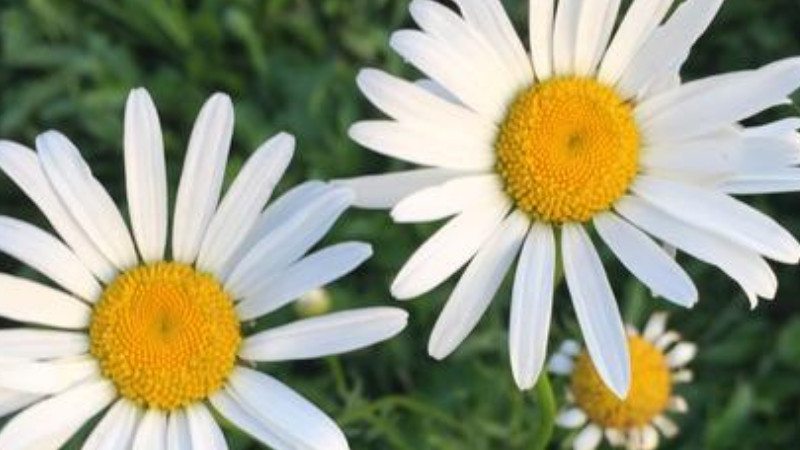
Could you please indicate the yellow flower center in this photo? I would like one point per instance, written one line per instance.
(651, 386)
(166, 335)
(568, 149)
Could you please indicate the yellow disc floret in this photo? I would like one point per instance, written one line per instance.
(568, 148)
(166, 335)
(651, 385)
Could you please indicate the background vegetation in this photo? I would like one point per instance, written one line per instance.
(290, 65)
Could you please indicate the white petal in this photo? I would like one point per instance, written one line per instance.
(745, 266)
(468, 37)
(491, 20)
(706, 105)
(667, 81)
(683, 376)
(448, 199)
(291, 417)
(571, 418)
(311, 272)
(667, 427)
(244, 201)
(478, 286)
(640, 20)
(719, 213)
(27, 301)
(666, 340)
(595, 22)
(13, 401)
(49, 377)
(734, 153)
(438, 90)
(570, 348)
(151, 433)
(531, 305)
(22, 166)
(50, 423)
(447, 250)
(564, 35)
(780, 128)
(31, 343)
(541, 37)
(178, 435)
(46, 254)
(327, 335)
(560, 364)
(766, 182)
(596, 308)
(115, 430)
(457, 149)
(456, 72)
(288, 242)
(678, 404)
(646, 259)
(681, 354)
(616, 437)
(669, 45)
(385, 191)
(412, 103)
(588, 439)
(656, 326)
(206, 434)
(146, 175)
(201, 180)
(234, 410)
(285, 207)
(85, 198)
(649, 438)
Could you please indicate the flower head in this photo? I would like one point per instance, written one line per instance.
(658, 360)
(160, 340)
(526, 152)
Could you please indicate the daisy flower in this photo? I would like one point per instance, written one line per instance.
(658, 360)
(525, 153)
(158, 343)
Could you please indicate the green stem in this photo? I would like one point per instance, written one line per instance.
(547, 407)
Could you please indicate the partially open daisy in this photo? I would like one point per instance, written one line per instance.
(155, 340)
(658, 363)
(528, 152)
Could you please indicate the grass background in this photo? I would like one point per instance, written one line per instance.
(290, 65)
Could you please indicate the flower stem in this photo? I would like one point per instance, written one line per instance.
(547, 407)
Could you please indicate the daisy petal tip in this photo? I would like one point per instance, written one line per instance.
(366, 76)
(222, 104)
(621, 388)
(398, 319)
(524, 382)
(139, 93)
(436, 352)
(400, 291)
(365, 249)
(51, 141)
(358, 131)
(287, 140)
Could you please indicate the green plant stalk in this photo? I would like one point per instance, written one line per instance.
(547, 407)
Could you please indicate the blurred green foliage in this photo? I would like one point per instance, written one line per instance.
(290, 65)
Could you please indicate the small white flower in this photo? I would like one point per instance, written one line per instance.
(658, 360)
(524, 153)
(159, 341)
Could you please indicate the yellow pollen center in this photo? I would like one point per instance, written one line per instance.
(651, 386)
(165, 334)
(567, 149)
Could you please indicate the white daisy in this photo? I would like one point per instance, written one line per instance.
(159, 341)
(527, 152)
(658, 363)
